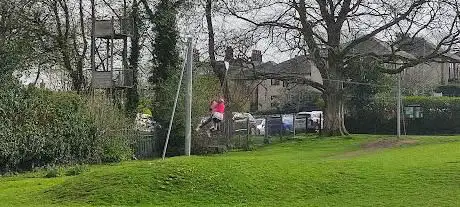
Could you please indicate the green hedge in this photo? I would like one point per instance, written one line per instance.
(40, 128)
(441, 115)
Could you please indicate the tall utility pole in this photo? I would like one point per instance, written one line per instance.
(188, 99)
(398, 116)
(93, 38)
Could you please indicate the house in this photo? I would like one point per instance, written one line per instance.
(267, 93)
(268, 86)
(274, 94)
(426, 77)
(421, 79)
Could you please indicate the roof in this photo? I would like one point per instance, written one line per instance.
(300, 65)
(420, 47)
(376, 47)
(297, 66)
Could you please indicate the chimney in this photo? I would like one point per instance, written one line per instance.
(256, 57)
(229, 54)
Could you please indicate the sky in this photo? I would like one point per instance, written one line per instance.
(193, 23)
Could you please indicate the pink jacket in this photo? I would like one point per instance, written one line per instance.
(219, 107)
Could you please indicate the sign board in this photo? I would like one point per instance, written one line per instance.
(102, 79)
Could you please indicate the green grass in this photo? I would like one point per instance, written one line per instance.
(302, 172)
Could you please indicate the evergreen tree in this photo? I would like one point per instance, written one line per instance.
(165, 73)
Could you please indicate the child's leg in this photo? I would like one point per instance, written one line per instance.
(204, 123)
(215, 122)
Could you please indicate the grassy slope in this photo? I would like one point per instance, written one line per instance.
(315, 172)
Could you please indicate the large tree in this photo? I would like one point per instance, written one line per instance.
(132, 93)
(59, 26)
(164, 74)
(329, 32)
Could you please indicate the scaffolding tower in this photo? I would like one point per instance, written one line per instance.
(109, 33)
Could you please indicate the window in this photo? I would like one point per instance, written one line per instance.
(453, 72)
(274, 101)
(275, 82)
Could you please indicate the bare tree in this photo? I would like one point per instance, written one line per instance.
(330, 32)
(63, 26)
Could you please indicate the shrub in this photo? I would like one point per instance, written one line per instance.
(441, 115)
(53, 172)
(40, 128)
(76, 170)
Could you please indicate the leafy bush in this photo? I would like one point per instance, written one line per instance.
(441, 115)
(53, 172)
(40, 128)
(76, 170)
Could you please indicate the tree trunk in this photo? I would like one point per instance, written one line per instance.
(228, 123)
(334, 124)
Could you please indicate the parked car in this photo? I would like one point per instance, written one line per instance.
(260, 127)
(288, 121)
(240, 122)
(274, 125)
(238, 116)
(313, 117)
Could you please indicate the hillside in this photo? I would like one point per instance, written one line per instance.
(357, 171)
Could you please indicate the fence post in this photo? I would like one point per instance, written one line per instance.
(306, 124)
(282, 127)
(320, 124)
(293, 123)
(248, 132)
(266, 141)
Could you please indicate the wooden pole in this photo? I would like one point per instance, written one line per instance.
(293, 123)
(266, 141)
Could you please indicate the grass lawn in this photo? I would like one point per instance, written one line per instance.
(356, 171)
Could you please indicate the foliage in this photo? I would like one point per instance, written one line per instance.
(132, 94)
(366, 72)
(11, 54)
(378, 117)
(203, 92)
(304, 172)
(52, 172)
(165, 55)
(441, 115)
(165, 75)
(114, 130)
(41, 128)
(77, 170)
(145, 106)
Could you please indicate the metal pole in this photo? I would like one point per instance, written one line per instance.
(188, 99)
(93, 38)
(398, 116)
(174, 109)
(248, 131)
(293, 123)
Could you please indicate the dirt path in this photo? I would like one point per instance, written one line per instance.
(373, 146)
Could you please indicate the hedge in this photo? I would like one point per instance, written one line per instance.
(441, 115)
(40, 128)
